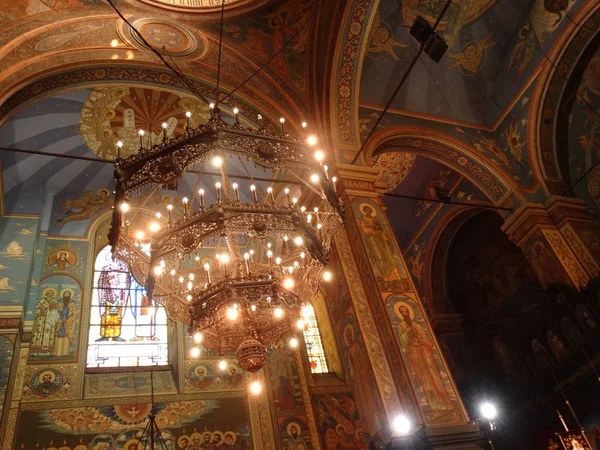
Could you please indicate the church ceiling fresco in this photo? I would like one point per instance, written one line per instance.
(493, 50)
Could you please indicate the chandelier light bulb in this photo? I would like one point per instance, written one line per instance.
(217, 161)
(188, 114)
(314, 178)
(158, 215)
(319, 226)
(172, 272)
(164, 125)
(225, 258)
(222, 364)
(253, 307)
(191, 276)
(154, 227)
(246, 256)
(141, 132)
(236, 111)
(185, 200)
(190, 285)
(269, 254)
(197, 258)
(120, 144)
(298, 240)
(311, 140)
(334, 179)
(218, 185)
(327, 275)
(170, 207)
(195, 352)
(139, 235)
(289, 282)
(319, 155)
(281, 120)
(278, 312)
(211, 106)
(304, 124)
(206, 267)
(302, 255)
(201, 191)
(232, 313)
(158, 271)
(255, 388)
(278, 260)
(189, 298)
(124, 207)
(293, 342)
(198, 337)
(286, 190)
(181, 279)
(300, 324)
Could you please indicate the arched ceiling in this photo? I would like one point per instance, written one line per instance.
(42, 38)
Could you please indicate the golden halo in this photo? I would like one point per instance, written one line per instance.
(207, 433)
(181, 444)
(49, 290)
(351, 328)
(293, 424)
(132, 441)
(200, 368)
(69, 290)
(196, 436)
(218, 433)
(411, 311)
(49, 372)
(104, 192)
(362, 207)
(340, 426)
(229, 366)
(81, 447)
(232, 434)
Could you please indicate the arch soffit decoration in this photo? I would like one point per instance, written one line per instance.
(274, 99)
(497, 186)
(90, 76)
(549, 92)
(345, 79)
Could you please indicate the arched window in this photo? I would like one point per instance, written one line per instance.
(314, 344)
(126, 328)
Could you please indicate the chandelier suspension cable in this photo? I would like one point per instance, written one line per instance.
(179, 74)
(400, 84)
(217, 101)
(277, 53)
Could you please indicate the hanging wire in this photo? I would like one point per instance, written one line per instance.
(181, 77)
(400, 84)
(217, 101)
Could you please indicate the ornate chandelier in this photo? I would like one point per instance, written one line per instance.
(235, 263)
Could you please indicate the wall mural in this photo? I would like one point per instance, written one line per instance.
(294, 435)
(207, 376)
(339, 424)
(546, 265)
(389, 269)
(431, 382)
(358, 369)
(57, 316)
(17, 238)
(6, 356)
(191, 425)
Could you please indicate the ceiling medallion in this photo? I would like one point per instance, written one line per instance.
(167, 37)
(235, 263)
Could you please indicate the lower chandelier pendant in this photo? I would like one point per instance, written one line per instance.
(251, 355)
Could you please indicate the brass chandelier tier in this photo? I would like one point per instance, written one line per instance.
(238, 270)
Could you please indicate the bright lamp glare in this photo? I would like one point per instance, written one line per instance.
(402, 425)
(314, 178)
(195, 352)
(154, 227)
(300, 324)
(319, 155)
(255, 388)
(222, 365)
(488, 411)
(197, 337)
(232, 313)
(327, 275)
(124, 207)
(289, 283)
(217, 161)
(311, 140)
(278, 313)
(293, 342)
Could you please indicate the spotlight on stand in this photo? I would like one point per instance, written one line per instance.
(433, 44)
(406, 435)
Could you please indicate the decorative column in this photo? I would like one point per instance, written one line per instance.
(402, 325)
(559, 239)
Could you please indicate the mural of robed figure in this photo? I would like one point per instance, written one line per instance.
(65, 326)
(422, 361)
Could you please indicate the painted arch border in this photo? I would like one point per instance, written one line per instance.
(497, 186)
(550, 89)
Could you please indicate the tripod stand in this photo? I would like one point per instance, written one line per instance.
(152, 434)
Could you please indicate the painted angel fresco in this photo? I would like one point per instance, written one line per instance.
(85, 206)
(544, 18)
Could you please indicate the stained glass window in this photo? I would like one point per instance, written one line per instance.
(126, 328)
(314, 344)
